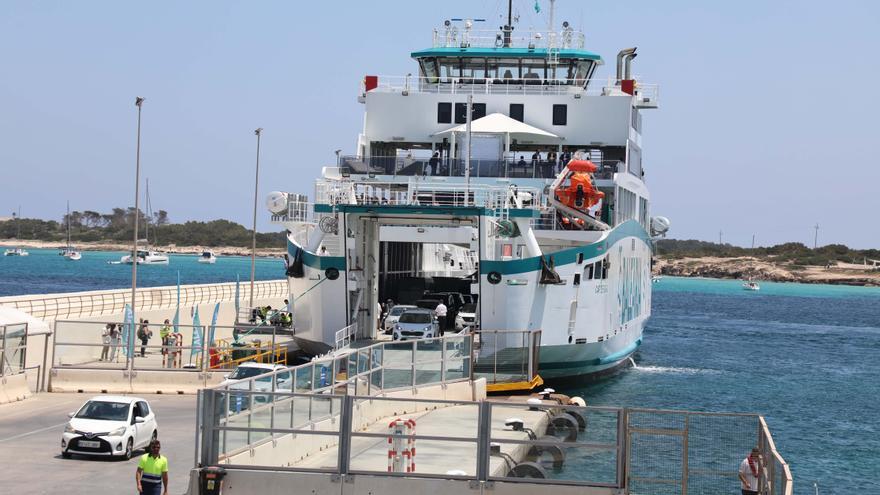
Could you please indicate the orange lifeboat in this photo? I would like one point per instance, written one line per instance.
(577, 191)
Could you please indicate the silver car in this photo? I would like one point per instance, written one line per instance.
(416, 324)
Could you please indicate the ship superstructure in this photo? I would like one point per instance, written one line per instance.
(504, 171)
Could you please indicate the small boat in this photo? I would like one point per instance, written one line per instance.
(751, 285)
(145, 257)
(68, 252)
(208, 257)
(16, 252)
(656, 279)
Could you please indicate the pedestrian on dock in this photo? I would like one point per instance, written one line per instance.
(152, 471)
(114, 341)
(748, 473)
(105, 339)
(144, 334)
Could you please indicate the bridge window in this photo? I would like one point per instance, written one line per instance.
(560, 114)
(516, 111)
(477, 110)
(444, 113)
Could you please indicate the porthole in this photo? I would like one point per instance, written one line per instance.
(331, 273)
(494, 278)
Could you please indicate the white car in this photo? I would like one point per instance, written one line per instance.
(239, 379)
(466, 317)
(416, 324)
(109, 425)
(394, 315)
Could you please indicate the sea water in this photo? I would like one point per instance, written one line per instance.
(44, 272)
(803, 356)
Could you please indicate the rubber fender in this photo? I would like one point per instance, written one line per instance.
(563, 423)
(555, 451)
(527, 470)
(581, 420)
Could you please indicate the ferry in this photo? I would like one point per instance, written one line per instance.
(505, 156)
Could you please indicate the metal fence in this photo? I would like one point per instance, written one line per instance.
(113, 345)
(632, 450)
(243, 414)
(682, 452)
(111, 302)
(507, 356)
(13, 348)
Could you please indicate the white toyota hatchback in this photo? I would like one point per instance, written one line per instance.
(109, 425)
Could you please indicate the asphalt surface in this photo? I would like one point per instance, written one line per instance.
(30, 447)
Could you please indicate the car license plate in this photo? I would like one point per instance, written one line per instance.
(91, 444)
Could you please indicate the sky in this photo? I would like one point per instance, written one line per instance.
(766, 127)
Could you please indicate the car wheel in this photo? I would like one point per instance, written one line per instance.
(65, 454)
(129, 447)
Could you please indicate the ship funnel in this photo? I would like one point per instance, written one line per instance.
(627, 65)
(625, 53)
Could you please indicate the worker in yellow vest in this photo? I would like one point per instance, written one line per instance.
(152, 471)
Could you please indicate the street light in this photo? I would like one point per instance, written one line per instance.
(258, 132)
(138, 102)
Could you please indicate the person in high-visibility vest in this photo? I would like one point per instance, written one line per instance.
(152, 471)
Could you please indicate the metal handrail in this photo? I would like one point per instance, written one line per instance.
(112, 302)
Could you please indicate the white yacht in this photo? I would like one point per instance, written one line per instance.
(146, 257)
(16, 252)
(208, 257)
(505, 170)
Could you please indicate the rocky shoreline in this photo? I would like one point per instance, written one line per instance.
(758, 269)
(170, 248)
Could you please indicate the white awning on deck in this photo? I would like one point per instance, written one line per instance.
(498, 123)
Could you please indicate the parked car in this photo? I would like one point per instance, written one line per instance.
(466, 317)
(415, 324)
(240, 379)
(393, 315)
(109, 425)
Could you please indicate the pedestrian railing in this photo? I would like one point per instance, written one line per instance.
(112, 302)
(95, 345)
(335, 431)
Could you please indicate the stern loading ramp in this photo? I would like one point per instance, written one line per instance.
(335, 434)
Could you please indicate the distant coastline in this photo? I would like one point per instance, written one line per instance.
(745, 267)
(169, 248)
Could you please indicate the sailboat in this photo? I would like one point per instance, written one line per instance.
(68, 252)
(17, 251)
(146, 256)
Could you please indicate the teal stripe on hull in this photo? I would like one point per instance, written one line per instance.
(630, 228)
(558, 362)
(312, 260)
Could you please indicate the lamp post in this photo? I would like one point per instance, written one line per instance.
(138, 102)
(258, 132)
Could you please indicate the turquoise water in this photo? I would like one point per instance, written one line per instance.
(804, 356)
(44, 271)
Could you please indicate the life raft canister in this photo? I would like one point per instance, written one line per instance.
(580, 193)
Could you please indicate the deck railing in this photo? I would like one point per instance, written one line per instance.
(645, 93)
(112, 302)
(511, 168)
